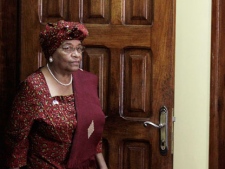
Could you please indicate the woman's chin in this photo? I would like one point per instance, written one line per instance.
(75, 68)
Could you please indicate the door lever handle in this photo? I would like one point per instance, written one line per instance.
(146, 123)
(163, 129)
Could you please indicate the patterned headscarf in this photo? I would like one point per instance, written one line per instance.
(55, 33)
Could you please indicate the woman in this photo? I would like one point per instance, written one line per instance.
(56, 119)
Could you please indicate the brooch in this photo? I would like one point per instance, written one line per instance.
(54, 102)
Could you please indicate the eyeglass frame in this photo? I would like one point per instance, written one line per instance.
(73, 49)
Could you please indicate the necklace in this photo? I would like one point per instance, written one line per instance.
(64, 84)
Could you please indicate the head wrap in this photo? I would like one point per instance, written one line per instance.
(55, 33)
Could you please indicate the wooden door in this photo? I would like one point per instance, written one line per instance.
(131, 50)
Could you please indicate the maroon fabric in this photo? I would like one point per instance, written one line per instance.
(88, 109)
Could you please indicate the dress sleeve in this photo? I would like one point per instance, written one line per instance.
(18, 127)
(99, 147)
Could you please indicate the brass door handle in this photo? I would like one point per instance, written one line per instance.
(163, 127)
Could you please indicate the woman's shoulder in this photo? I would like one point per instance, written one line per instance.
(34, 76)
(33, 87)
(34, 80)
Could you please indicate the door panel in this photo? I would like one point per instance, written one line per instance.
(130, 48)
(97, 62)
(137, 83)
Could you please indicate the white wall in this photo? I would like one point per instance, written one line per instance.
(192, 84)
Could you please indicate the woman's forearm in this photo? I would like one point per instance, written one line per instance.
(101, 161)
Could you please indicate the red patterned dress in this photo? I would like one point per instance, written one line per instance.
(41, 127)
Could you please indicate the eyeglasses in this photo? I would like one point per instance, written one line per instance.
(69, 49)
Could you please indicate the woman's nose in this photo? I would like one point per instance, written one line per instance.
(75, 53)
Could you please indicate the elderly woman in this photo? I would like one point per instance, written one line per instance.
(56, 119)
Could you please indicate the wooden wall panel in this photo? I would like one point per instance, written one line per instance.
(9, 63)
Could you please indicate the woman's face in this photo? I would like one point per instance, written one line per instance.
(68, 56)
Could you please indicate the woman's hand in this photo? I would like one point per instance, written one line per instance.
(101, 161)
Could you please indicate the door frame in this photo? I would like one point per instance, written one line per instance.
(216, 138)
